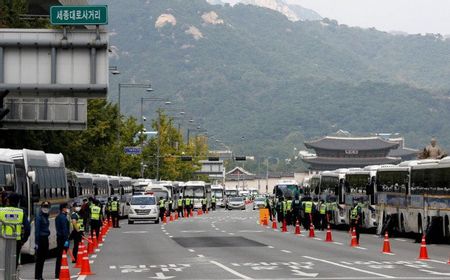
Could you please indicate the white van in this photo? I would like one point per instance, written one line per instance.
(143, 208)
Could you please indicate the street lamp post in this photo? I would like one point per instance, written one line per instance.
(158, 130)
(148, 88)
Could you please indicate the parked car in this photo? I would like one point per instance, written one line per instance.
(259, 202)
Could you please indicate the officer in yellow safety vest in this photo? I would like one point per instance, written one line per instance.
(204, 204)
(14, 222)
(77, 229)
(188, 205)
(115, 212)
(180, 206)
(356, 217)
(308, 208)
(162, 208)
(322, 215)
(289, 211)
(213, 202)
(96, 215)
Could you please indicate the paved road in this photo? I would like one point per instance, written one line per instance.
(232, 245)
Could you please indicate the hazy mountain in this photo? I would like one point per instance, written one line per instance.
(264, 83)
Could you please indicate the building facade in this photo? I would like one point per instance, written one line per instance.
(333, 152)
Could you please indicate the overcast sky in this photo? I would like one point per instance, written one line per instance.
(412, 16)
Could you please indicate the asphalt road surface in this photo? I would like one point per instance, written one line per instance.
(232, 245)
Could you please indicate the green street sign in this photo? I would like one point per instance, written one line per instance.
(79, 15)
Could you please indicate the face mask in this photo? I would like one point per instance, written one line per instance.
(77, 209)
(45, 210)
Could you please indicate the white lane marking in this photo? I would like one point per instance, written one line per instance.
(349, 267)
(170, 236)
(193, 231)
(436, 261)
(317, 238)
(217, 229)
(230, 233)
(286, 251)
(97, 250)
(223, 231)
(250, 231)
(94, 256)
(200, 256)
(232, 271)
(191, 250)
(82, 277)
(390, 254)
(112, 267)
(399, 239)
(361, 248)
(435, 272)
(136, 231)
(271, 247)
(338, 243)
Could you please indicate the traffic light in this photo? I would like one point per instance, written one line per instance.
(213, 158)
(240, 158)
(186, 158)
(3, 111)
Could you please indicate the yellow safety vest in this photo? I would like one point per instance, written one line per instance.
(188, 201)
(354, 213)
(161, 203)
(283, 206)
(95, 212)
(213, 200)
(114, 206)
(79, 222)
(108, 206)
(289, 205)
(308, 207)
(14, 217)
(323, 208)
(180, 202)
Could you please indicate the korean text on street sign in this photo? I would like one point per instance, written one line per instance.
(133, 150)
(79, 15)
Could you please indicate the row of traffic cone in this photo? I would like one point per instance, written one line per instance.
(83, 254)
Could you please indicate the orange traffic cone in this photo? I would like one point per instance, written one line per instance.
(423, 255)
(192, 213)
(284, 226)
(265, 222)
(95, 242)
(171, 217)
(311, 230)
(109, 223)
(85, 266)
(64, 273)
(80, 255)
(386, 244)
(297, 228)
(354, 241)
(164, 219)
(90, 249)
(176, 216)
(329, 238)
(274, 223)
(185, 215)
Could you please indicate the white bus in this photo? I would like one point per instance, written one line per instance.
(218, 192)
(197, 190)
(39, 177)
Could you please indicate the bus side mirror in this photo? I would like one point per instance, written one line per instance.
(35, 194)
(32, 176)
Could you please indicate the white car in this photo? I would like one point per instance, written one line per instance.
(259, 202)
(237, 202)
(143, 208)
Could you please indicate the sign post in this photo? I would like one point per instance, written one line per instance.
(79, 15)
(132, 150)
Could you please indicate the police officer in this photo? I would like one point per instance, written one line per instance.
(356, 218)
(96, 215)
(170, 205)
(268, 207)
(213, 202)
(284, 209)
(108, 209)
(12, 214)
(62, 226)
(308, 207)
(296, 208)
(78, 229)
(42, 232)
(188, 205)
(322, 215)
(115, 212)
(162, 208)
(279, 209)
(289, 211)
(204, 205)
(180, 206)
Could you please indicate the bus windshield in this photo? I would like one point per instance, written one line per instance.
(286, 190)
(392, 181)
(217, 193)
(194, 191)
(356, 183)
(329, 184)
